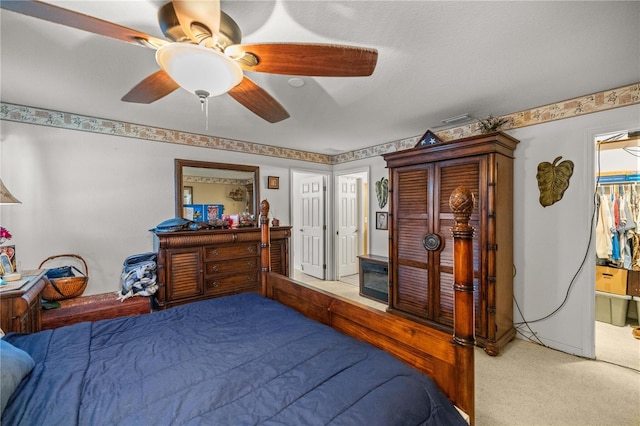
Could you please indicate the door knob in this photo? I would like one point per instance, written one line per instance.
(431, 242)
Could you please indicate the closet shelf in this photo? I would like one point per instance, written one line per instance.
(622, 143)
(619, 177)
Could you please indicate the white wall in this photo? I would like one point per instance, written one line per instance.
(98, 195)
(551, 243)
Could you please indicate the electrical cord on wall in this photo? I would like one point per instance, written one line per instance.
(524, 323)
(523, 327)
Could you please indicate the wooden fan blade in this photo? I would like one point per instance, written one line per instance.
(316, 60)
(258, 101)
(204, 12)
(69, 18)
(156, 86)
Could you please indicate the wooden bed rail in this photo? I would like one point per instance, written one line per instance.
(448, 360)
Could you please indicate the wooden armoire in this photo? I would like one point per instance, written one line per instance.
(421, 181)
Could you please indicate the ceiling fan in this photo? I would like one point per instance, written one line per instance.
(203, 54)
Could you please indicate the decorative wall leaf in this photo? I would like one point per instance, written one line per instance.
(553, 180)
(382, 191)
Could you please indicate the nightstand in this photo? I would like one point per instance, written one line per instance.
(20, 303)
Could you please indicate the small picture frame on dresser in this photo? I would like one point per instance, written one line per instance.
(11, 252)
(5, 264)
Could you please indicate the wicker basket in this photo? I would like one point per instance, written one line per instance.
(66, 287)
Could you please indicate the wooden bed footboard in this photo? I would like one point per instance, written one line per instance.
(447, 359)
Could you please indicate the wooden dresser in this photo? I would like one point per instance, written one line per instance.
(20, 306)
(421, 181)
(198, 265)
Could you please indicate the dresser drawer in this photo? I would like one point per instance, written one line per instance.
(231, 266)
(234, 283)
(230, 252)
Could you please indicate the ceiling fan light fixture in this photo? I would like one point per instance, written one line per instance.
(199, 69)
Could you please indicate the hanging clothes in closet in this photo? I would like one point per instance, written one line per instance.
(617, 233)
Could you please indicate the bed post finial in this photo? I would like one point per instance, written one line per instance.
(264, 210)
(265, 245)
(462, 203)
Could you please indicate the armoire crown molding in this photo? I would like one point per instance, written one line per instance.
(596, 102)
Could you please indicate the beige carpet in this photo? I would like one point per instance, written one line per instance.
(531, 385)
(617, 345)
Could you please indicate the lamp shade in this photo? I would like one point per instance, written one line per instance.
(199, 69)
(6, 197)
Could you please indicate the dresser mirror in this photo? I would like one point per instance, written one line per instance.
(205, 190)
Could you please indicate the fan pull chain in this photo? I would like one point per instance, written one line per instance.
(206, 114)
(204, 105)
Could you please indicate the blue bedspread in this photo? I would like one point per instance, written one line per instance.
(238, 360)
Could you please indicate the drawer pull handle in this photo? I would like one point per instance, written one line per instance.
(215, 284)
(215, 252)
(251, 249)
(215, 268)
(251, 279)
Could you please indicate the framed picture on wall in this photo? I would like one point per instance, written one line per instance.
(382, 220)
(274, 182)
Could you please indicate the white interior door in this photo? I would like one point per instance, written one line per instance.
(348, 240)
(313, 226)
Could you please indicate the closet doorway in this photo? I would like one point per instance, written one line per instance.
(617, 259)
(346, 207)
(352, 220)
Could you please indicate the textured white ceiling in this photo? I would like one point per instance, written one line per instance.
(436, 60)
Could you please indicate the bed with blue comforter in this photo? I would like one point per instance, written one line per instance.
(236, 360)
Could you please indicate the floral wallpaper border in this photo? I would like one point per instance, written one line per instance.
(597, 102)
(70, 121)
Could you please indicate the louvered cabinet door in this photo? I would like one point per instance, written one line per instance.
(451, 174)
(184, 273)
(280, 256)
(410, 285)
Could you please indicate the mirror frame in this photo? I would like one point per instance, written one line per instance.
(180, 163)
